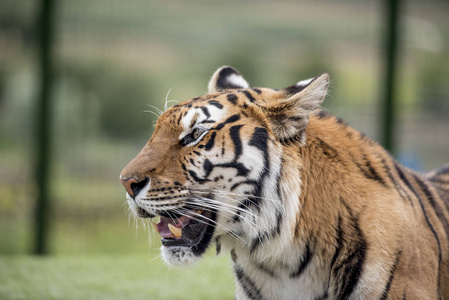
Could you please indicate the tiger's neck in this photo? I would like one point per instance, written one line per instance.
(338, 165)
(343, 175)
(317, 182)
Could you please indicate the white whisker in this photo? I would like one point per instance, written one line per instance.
(160, 112)
(192, 215)
(150, 111)
(231, 209)
(166, 100)
(232, 194)
(248, 217)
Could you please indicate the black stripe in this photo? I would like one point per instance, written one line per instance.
(436, 207)
(295, 118)
(305, 260)
(179, 119)
(260, 140)
(192, 162)
(196, 178)
(328, 150)
(232, 98)
(278, 186)
(249, 96)
(223, 149)
(349, 269)
(372, 173)
(323, 114)
(397, 186)
(216, 104)
(205, 111)
(231, 119)
(439, 181)
(363, 136)
(438, 191)
(234, 133)
(444, 190)
(207, 121)
(210, 142)
(217, 245)
(292, 139)
(342, 122)
(234, 256)
(257, 90)
(390, 279)
(368, 170)
(264, 269)
(433, 202)
(404, 178)
(241, 169)
(207, 167)
(248, 286)
(237, 184)
(339, 241)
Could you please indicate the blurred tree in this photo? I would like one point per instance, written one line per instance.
(114, 92)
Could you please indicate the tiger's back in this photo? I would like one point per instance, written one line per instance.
(308, 207)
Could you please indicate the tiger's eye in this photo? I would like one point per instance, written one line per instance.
(196, 133)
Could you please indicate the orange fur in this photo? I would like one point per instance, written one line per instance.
(308, 207)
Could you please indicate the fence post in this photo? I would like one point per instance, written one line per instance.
(43, 124)
(389, 98)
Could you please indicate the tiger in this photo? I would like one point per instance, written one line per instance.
(306, 206)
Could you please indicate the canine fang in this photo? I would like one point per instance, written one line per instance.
(177, 232)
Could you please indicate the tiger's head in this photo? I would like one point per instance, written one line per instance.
(213, 170)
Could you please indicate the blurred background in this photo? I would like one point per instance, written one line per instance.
(112, 59)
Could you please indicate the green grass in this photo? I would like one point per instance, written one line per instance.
(112, 277)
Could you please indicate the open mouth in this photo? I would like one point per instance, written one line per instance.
(194, 230)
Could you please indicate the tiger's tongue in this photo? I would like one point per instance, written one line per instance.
(179, 223)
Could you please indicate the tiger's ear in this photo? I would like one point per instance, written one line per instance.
(226, 78)
(290, 115)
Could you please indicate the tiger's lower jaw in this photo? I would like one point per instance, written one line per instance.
(189, 248)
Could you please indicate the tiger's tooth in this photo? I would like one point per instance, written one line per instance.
(177, 232)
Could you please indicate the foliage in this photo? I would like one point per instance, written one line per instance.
(117, 98)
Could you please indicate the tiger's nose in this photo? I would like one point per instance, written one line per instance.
(133, 186)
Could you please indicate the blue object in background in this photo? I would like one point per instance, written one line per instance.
(411, 160)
